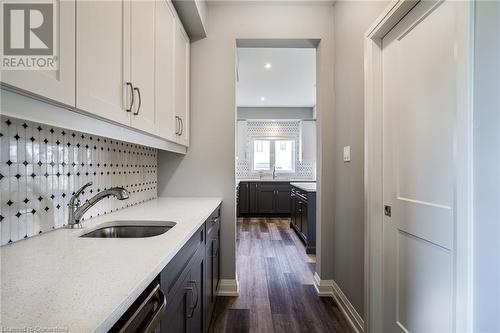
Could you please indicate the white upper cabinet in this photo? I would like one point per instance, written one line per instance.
(103, 84)
(57, 85)
(164, 63)
(130, 67)
(143, 65)
(181, 84)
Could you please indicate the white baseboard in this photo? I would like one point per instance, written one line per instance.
(228, 288)
(328, 288)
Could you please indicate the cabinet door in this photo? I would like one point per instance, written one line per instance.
(59, 84)
(103, 61)
(164, 66)
(253, 198)
(196, 282)
(216, 266)
(181, 84)
(293, 204)
(298, 214)
(212, 277)
(282, 200)
(266, 198)
(143, 65)
(243, 198)
(175, 319)
(304, 220)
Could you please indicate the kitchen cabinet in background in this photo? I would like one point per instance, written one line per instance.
(303, 216)
(264, 199)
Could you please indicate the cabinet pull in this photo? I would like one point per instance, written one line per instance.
(191, 289)
(182, 126)
(215, 248)
(177, 125)
(129, 84)
(140, 101)
(155, 297)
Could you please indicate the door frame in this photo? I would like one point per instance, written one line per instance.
(373, 198)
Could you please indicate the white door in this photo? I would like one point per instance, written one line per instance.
(57, 85)
(143, 65)
(103, 59)
(181, 85)
(419, 118)
(164, 96)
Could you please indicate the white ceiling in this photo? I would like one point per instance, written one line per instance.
(289, 82)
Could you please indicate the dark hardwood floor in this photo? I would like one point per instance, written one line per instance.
(276, 285)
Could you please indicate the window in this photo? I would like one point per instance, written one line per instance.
(283, 155)
(274, 153)
(262, 155)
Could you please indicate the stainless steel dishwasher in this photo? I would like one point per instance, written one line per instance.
(145, 314)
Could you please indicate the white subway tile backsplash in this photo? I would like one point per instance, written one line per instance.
(41, 167)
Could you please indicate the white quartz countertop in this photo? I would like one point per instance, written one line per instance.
(308, 187)
(59, 280)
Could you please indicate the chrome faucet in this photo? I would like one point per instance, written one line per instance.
(274, 172)
(76, 211)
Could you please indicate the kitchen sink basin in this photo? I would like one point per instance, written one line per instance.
(130, 229)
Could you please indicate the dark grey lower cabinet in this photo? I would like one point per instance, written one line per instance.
(264, 199)
(190, 281)
(303, 217)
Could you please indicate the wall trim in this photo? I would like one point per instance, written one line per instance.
(329, 288)
(228, 288)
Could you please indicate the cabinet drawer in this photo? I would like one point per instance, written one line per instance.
(177, 265)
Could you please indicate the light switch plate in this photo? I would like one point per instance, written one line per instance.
(347, 154)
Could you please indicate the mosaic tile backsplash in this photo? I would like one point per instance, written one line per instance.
(42, 166)
(283, 128)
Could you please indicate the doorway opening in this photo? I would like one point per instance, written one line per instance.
(276, 139)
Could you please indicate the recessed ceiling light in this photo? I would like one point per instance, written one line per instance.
(268, 65)
(262, 99)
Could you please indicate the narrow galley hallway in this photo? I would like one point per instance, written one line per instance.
(276, 285)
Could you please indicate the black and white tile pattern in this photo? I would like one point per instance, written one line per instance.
(41, 167)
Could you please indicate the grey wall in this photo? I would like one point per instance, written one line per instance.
(209, 167)
(274, 113)
(352, 19)
(487, 168)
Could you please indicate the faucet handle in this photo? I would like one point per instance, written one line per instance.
(77, 194)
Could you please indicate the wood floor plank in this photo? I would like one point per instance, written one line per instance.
(238, 321)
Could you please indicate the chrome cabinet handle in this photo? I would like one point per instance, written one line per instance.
(129, 84)
(177, 125)
(140, 101)
(182, 126)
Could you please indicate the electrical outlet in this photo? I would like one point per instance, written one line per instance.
(347, 154)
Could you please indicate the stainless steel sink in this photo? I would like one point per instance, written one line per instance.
(130, 229)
